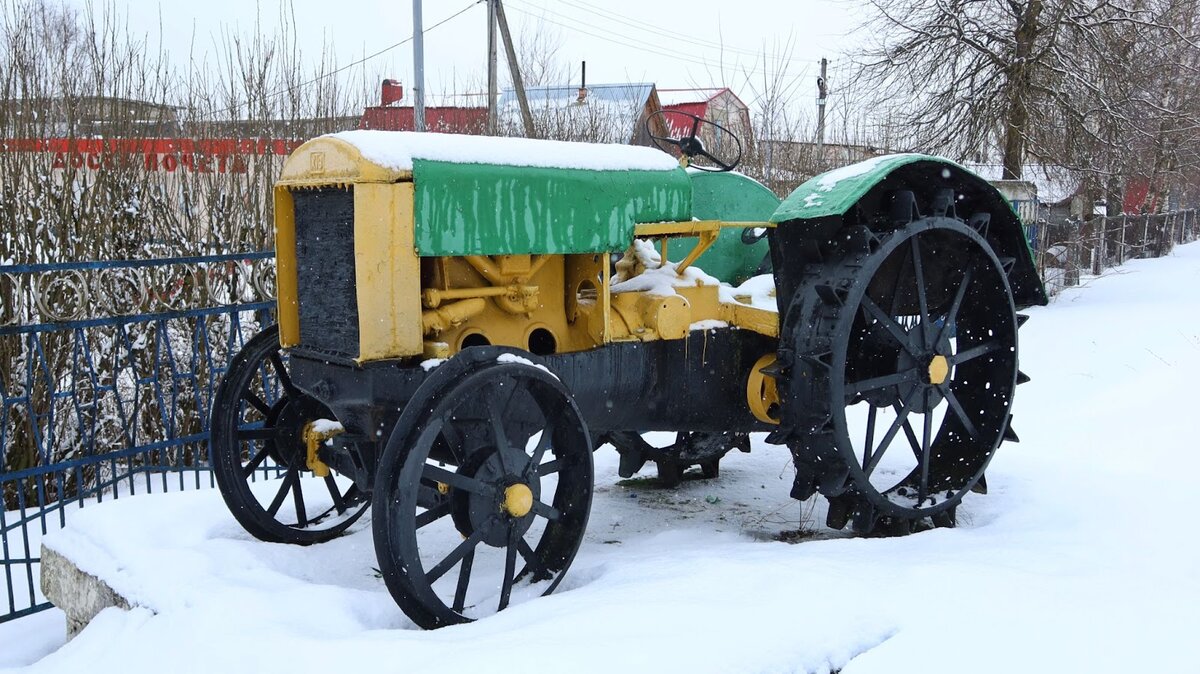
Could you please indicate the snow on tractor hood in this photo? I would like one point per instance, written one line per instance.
(398, 149)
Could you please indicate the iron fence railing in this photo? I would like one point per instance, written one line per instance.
(107, 373)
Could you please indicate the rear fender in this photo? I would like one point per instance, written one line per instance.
(814, 220)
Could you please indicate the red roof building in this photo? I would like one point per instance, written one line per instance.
(452, 114)
(718, 105)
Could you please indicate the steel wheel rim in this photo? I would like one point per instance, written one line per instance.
(254, 436)
(437, 593)
(982, 377)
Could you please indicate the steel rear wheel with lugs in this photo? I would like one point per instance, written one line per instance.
(483, 493)
(905, 368)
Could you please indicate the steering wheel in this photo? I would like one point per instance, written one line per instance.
(752, 235)
(690, 144)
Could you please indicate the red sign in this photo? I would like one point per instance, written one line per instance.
(218, 155)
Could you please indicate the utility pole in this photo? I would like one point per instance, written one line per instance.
(493, 85)
(514, 70)
(822, 90)
(418, 69)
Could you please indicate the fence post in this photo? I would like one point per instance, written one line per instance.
(1082, 241)
(1121, 250)
(1074, 250)
(1098, 251)
(1043, 236)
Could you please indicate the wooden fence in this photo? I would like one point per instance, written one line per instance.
(1068, 250)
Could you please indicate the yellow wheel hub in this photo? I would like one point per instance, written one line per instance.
(762, 394)
(518, 500)
(939, 369)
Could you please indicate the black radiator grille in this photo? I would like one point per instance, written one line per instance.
(325, 270)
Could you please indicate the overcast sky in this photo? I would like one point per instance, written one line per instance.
(673, 44)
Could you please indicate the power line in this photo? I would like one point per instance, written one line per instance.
(656, 30)
(620, 40)
(632, 45)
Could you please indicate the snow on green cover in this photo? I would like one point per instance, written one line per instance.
(833, 192)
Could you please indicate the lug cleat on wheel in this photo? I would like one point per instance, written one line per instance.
(916, 383)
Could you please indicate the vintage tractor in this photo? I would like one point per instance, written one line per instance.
(463, 320)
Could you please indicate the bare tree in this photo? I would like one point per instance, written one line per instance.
(1014, 77)
(538, 48)
(1135, 116)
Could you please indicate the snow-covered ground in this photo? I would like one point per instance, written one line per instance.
(1083, 558)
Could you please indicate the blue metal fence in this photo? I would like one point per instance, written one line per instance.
(107, 374)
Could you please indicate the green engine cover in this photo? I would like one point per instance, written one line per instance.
(731, 197)
(486, 209)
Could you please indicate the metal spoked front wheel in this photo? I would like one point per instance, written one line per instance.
(482, 500)
(260, 458)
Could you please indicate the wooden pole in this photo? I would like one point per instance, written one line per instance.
(493, 85)
(822, 91)
(418, 68)
(514, 69)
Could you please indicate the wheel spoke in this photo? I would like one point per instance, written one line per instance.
(882, 382)
(889, 324)
(292, 473)
(298, 497)
(869, 444)
(922, 300)
(976, 351)
(456, 480)
(458, 553)
(548, 468)
(912, 436)
(433, 514)
(339, 502)
(257, 433)
(256, 461)
(968, 425)
(531, 561)
(886, 442)
(464, 579)
(453, 440)
(496, 418)
(925, 444)
(538, 453)
(510, 568)
(281, 372)
(952, 313)
(542, 510)
(256, 402)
